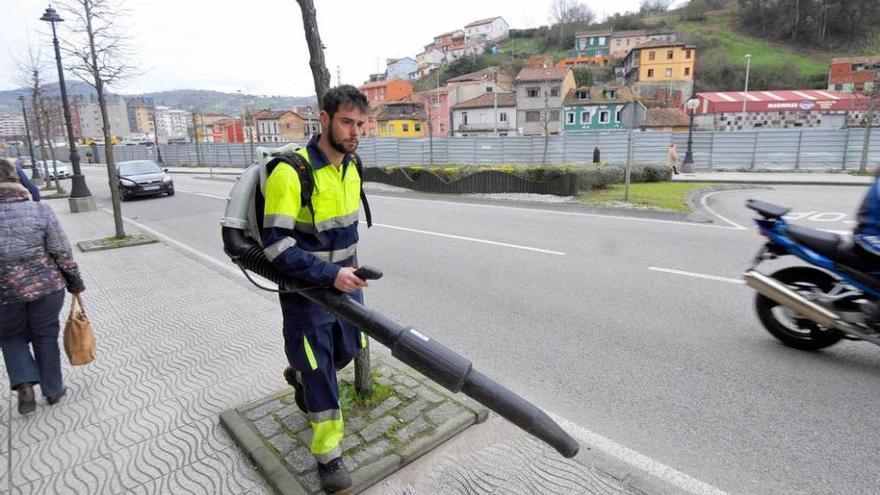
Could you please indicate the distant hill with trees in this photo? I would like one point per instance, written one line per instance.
(791, 41)
(198, 99)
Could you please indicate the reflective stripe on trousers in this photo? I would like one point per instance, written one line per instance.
(327, 431)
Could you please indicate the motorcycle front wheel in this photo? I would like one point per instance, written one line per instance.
(793, 329)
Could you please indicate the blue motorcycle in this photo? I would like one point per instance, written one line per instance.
(812, 307)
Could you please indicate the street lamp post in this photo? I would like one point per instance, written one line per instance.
(746, 90)
(81, 198)
(156, 137)
(687, 166)
(35, 172)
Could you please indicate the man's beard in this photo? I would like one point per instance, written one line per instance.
(337, 144)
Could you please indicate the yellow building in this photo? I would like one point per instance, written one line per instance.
(144, 119)
(660, 61)
(400, 119)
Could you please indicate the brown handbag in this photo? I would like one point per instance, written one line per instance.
(79, 337)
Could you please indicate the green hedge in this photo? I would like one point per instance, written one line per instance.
(589, 176)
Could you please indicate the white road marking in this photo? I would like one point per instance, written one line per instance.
(657, 469)
(201, 194)
(471, 239)
(565, 213)
(696, 275)
(721, 217)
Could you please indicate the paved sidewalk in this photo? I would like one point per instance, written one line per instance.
(172, 353)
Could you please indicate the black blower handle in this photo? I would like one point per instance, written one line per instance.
(368, 273)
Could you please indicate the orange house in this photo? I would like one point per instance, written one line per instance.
(379, 92)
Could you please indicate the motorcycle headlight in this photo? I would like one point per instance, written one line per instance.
(127, 182)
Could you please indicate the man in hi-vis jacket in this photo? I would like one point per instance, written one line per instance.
(319, 245)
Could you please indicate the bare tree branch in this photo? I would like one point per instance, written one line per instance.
(101, 47)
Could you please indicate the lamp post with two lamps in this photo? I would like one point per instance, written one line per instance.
(81, 198)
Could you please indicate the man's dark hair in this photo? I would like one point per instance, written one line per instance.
(343, 96)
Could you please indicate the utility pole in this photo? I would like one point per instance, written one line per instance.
(156, 137)
(546, 125)
(245, 133)
(629, 151)
(431, 129)
(196, 139)
(495, 118)
(746, 89)
(869, 121)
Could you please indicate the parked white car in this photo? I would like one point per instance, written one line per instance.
(64, 171)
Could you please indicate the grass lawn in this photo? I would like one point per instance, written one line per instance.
(667, 196)
(520, 46)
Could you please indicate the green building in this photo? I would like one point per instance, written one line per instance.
(592, 44)
(600, 108)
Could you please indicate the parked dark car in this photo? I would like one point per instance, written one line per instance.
(143, 178)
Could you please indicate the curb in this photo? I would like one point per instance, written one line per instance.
(694, 199)
(280, 478)
(774, 182)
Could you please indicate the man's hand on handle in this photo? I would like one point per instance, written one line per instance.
(347, 281)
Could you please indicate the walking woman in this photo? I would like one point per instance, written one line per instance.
(36, 265)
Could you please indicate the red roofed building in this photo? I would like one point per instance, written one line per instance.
(377, 93)
(854, 74)
(780, 109)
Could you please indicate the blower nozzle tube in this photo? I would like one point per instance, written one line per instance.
(426, 355)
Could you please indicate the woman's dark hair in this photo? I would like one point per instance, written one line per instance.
(343, 96)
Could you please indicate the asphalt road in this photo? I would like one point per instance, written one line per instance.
(601, 320)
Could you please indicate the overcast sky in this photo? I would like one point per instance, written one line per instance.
(258, 46)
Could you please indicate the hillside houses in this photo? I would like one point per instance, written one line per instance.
(641, 79)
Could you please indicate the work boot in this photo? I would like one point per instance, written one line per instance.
(26, 400)
(334, 476)
(298, 394)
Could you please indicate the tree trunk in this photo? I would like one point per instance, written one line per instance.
(47, 124)
(362, 375)
(796, 24)
(112, 178)
(320, 74)
(41, 136)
